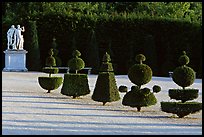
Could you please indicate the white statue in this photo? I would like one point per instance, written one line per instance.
(11, 36)
(18, 37)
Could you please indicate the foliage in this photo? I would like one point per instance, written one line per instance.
(140, 74)
(123, 88)
(76, 63)
(34, 47)
(75, 85)
(56, 51)
(106, 87)
(139, 98)
(125, 27)
(183, 95)
(50, 83)
(181, 109)
(183, 75)
(50, 61)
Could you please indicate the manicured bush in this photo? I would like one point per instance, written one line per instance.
(50, 83)
(76, 63)
(181, 109)
(55, 52)
(139, 98)
(183, 76)
(75, 85)
(106, 88)
(140, 74)
(183, 95)
(123, 88)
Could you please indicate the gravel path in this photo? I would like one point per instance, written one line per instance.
(28, 110)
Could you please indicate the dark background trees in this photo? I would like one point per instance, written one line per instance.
(139, 26)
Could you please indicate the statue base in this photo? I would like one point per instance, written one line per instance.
(15, 60)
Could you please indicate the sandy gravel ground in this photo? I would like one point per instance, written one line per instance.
(28, 110)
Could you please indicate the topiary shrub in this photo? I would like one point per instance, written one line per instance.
(50, 83)
(183, 76)
(75, 85)
(140, 74)
(106, 88)
(123, 89)
(76, 63)
(55, 54)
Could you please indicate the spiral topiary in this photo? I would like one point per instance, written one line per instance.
(76, 63)
(140, 74)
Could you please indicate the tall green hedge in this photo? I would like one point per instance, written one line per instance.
(151, 36)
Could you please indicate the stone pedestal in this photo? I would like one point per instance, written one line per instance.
(15, 60)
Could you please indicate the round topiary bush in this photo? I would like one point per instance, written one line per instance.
(123, 89)
(140, 74)
(183, 76)
(50, 83)
(76, 63)
(50, 61)
(139, 98)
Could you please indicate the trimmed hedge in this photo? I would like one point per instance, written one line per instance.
(181, 109)
(50, 83)
(106, 89)
(75, 85)
(139, 98)
(183, 94)
(125, 33)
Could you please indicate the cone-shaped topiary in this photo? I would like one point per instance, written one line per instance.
(140, 74)
(50, 83)
(183, 76)
(76, 63)
(106, 88)
(75, 85)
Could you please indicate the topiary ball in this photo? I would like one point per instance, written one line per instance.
(183, 76)
(184, 59)
(76, 64)
(156, 88)
(50, 61)
(123, 88)
(140, 74)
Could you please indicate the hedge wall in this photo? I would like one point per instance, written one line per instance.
(161, 41)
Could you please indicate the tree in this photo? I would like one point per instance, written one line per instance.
(34, 62)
